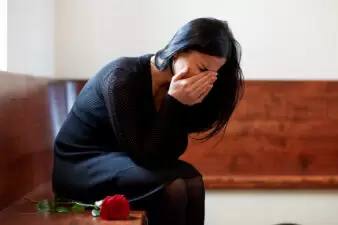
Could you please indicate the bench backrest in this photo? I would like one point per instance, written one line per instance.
(32, 110)
(25, 135)
(282, 135)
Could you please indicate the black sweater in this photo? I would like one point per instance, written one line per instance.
(115, 112)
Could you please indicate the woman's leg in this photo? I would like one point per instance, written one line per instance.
(195, 201)
(168, 206)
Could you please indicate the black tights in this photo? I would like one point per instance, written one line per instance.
(179, 203)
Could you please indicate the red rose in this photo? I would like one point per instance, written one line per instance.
(115, 208)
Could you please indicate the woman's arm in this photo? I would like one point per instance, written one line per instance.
(151, 145)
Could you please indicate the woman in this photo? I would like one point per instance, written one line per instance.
(130, 124)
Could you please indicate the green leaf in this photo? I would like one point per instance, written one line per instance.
(45, 206)
(78, 208)
(96, 212)
(61, 210)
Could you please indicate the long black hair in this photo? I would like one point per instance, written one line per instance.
(212, 37)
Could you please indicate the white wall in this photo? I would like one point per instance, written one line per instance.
(3, 35)
(88, 34)
(290, 39)
(271, 207)
(31, 37)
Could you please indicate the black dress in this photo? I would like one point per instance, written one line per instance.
(113, 140)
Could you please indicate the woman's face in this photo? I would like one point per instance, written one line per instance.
(197, 62)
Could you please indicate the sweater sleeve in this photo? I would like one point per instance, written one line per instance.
(151, 144)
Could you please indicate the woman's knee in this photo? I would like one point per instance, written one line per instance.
(195, 186)
(195, 182)
(176, 191)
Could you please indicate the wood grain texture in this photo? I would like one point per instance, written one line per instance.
(284, 134)
(66, 219)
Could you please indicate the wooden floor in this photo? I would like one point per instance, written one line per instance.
(23, 212)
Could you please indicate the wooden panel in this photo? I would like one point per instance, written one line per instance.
(284, 134)
(25, 135)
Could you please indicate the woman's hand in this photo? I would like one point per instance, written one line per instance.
(192, 90)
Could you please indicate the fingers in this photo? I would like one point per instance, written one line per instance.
(201, 88)
(204, 94)
(193, 89)
(197, 77)
(180, 74)
(198, 85)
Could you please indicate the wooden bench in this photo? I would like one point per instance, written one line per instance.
(282, 135)
(31, 112)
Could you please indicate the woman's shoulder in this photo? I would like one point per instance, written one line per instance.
(129, 63)
(126, 65)
(124, 71)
